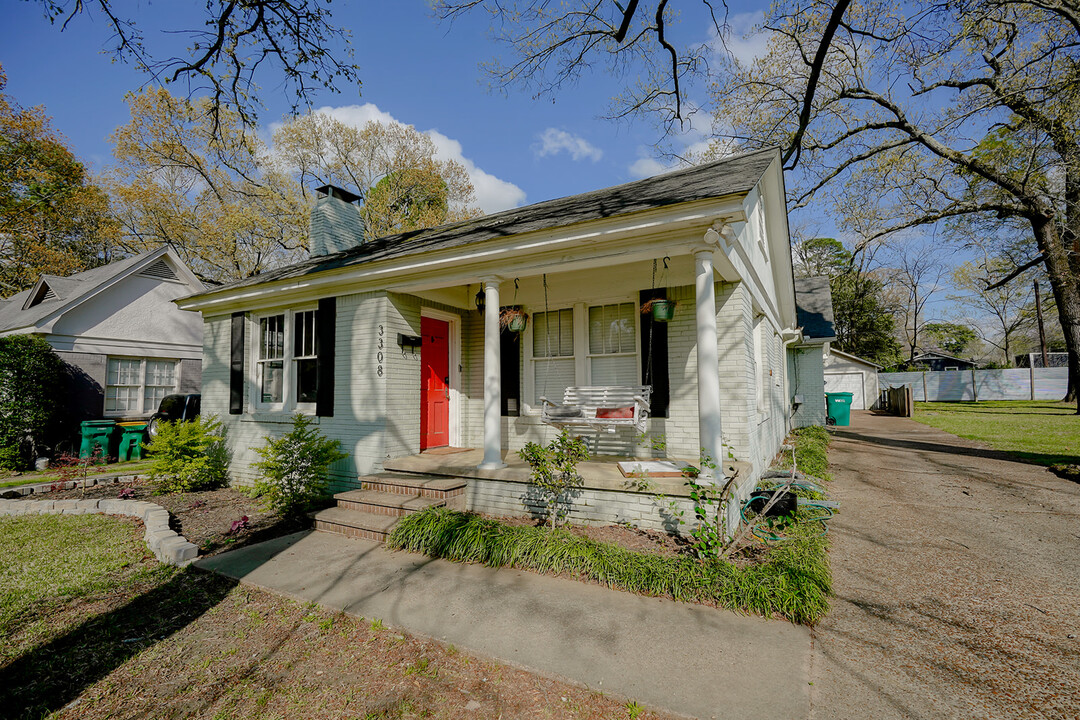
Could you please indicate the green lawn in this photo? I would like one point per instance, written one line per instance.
(1042, 432)
(52, 560)
(48, 476)
(91, 627)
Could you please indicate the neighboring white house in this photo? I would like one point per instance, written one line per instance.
(848, 373)
(382, 341)
(118, 329)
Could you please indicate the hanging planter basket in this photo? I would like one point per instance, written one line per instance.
(514, 320)
(661, 309)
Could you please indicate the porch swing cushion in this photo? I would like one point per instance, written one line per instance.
(615, 412)
(564, 411)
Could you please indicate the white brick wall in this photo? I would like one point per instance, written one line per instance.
(377, 416)
(359, 406)
(599, 507)
(808, 380)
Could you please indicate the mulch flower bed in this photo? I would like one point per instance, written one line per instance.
(222, 519)
(215, 520)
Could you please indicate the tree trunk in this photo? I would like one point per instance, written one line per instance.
(1066, 290)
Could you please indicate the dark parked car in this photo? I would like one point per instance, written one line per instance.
(175, 408)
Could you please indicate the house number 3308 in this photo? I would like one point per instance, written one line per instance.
(379, 356)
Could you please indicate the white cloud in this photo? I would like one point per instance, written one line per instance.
(492, 194)
(693, 148)
(745, 41)
(646, 166)
(554, 141)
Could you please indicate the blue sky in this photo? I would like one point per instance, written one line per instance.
(414, 69)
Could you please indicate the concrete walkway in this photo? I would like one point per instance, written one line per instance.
(688, 659)
(957, 575)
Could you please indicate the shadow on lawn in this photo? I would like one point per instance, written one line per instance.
(50, 676)
(935, 447)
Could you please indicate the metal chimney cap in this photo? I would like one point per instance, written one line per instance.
(339, 193)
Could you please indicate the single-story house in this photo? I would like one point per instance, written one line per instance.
(402, 347)
(845, 372)
(116, 326)
(934, 360)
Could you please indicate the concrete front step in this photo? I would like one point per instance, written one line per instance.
(428, 486)
(385, 503)
(355, 524)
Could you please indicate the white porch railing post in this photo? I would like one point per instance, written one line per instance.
(708, 364)
(492, 379)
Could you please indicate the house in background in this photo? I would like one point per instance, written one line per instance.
(934, 360)
(396, 348)
(845, 372)
(813, 303)
(117, 328)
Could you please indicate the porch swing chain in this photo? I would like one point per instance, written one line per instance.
(648, 344)
(547, 337)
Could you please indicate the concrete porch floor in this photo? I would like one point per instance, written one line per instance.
(600, 473)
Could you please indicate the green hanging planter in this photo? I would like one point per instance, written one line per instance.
(662, 310)
(515, 320)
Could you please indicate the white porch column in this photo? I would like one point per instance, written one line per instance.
(492, 378)
(709, 431)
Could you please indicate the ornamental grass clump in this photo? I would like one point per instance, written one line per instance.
(295, 467)
(189, 456)
(793, 582)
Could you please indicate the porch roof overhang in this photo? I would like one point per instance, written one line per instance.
(595, 244)
(533, 240)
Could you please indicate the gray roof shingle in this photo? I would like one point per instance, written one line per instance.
(729, 176)
(813, 305)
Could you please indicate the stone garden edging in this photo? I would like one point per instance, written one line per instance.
(45, 487)
(167, 546)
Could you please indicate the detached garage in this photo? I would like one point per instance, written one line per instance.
(848, 373)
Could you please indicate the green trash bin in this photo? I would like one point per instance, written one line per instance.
(131, 440)
(839, 407)
(96, 434)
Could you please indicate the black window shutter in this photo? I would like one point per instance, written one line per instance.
(326, 337)
(654, 345)
(236, 365)
(510, 351)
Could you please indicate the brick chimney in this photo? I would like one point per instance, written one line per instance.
(336, 223)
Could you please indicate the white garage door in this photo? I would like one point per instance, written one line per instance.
(847, 382)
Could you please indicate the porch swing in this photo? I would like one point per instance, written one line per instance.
(600, 407)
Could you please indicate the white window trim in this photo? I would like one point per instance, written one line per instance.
(142, 410)
(288, 397)
(582, 366)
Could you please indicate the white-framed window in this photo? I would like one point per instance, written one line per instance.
(613, 358)
(553, 362)
(582, 345)
(286, 360)
(136, 386)
(763, 335)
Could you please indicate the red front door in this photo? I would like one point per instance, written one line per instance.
(434, 383)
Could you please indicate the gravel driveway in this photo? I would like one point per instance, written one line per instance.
(957, 574)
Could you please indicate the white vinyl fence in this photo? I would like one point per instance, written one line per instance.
(954, 385)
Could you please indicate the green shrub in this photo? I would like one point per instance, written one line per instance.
(554, 471)
(190, 456)
(794, 581)
(33, 397)
(295, 467)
